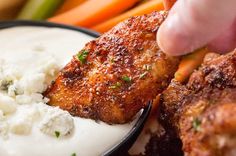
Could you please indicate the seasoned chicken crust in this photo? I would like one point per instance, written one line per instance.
(115, 76)
(202, 113)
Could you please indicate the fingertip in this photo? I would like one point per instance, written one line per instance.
(222, 45)
(188, 27)
(170, 40)
(162, 41)
(226, 41)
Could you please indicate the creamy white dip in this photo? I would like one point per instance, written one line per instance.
(30, 58)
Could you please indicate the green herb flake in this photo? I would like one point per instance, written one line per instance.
(112, 60)
(126, 78)
(196, 124)
(147, 67)
(57, 134)
(143, 75)
(73, 154)
(82, 56)
(116, 85)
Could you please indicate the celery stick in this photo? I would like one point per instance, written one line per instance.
(39, 9)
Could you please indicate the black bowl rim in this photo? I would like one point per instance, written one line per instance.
(8, 24)
(128, 140)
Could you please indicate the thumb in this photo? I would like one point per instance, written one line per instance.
(192, 24)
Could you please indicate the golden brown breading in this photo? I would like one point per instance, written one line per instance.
(203, 112)
(114, 76)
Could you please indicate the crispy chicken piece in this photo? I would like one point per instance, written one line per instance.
(202, 113)
(115, 76)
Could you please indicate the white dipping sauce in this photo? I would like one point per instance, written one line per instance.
(31, 57)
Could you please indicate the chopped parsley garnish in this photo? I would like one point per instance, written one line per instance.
(73, 154)
(196, 124)
(143, 75)
(112, 60)
(116, 85)
(82, 56)
(147, 67)
(126, 78)
(57, 134)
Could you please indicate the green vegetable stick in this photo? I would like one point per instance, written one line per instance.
(39, 9)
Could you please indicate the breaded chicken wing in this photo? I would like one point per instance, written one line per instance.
(115, 76)
(202, 113)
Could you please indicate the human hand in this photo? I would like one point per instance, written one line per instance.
(192, 24)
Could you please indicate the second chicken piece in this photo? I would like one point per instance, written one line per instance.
(202, 113)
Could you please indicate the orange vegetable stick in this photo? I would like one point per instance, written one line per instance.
(93, 12)
(168, 4)
(69, 4)
(144, 8)
(189, 63)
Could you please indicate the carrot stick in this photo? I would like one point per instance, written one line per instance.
(69, 4)
(189, 63)
(144, 8)
(93, 12)
(168, 4)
